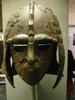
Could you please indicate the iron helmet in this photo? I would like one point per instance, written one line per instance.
(31, 38)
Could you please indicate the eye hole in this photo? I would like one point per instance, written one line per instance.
(19, 47)
(44, 47)
(43, 44)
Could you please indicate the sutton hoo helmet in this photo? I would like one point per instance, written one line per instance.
(31, 39)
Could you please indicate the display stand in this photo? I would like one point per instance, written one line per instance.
(3, 95)
(35, 92)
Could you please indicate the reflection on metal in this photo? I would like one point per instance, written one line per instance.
(2, 88)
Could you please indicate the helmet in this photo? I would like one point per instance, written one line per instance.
(31, 38)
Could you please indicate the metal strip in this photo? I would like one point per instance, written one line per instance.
(31, 33)
(31, 18)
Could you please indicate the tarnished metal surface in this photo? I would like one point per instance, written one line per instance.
(32, 36)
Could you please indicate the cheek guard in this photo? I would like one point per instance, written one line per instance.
(9, 69)
(48, 24)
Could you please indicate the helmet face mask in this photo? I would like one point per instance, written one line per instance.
(33, 49)
(30, 69)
